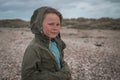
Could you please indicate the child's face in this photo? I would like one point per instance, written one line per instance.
(51, 25)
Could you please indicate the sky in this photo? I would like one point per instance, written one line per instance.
(23, 9)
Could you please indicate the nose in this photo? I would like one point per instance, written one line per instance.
(55, 28)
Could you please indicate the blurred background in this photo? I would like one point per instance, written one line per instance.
(90, 29)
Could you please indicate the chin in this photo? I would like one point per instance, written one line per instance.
(53, 36)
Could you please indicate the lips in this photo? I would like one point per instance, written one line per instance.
(54, 32)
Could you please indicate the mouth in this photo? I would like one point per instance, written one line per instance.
(55, 33)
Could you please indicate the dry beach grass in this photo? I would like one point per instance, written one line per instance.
(91, 54)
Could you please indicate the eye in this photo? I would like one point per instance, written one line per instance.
(58, 24)
(52, 24)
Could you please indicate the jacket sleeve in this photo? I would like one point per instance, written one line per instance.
(30, 71)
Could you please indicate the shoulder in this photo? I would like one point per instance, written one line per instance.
(34, 47)
(38, 44)
(34, 50)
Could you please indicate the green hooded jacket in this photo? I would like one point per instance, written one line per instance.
(38, 61)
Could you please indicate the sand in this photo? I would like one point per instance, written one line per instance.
(90, 54)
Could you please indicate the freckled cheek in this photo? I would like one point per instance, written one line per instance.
(59, 28)
(46, 30)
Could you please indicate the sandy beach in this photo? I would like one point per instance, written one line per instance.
(91, 54)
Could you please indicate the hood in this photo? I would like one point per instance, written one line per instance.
(37, 19)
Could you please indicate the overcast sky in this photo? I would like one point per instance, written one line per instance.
(23, 9)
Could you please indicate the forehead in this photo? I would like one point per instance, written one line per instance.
(51, 16)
